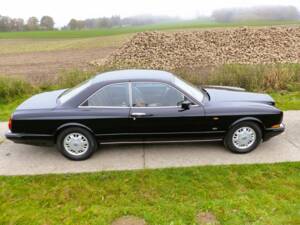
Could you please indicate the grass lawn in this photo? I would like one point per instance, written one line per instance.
(287, 101)
(244, 194)
(133, 29)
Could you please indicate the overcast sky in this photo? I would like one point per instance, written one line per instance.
(63, 10)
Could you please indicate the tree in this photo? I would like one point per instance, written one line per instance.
(72, 24)
(32, 23)
(47, 23)
(17, 24)
(5, 23)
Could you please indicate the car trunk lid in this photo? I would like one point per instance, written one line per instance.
(46, 100)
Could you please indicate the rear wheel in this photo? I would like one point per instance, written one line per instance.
(76, 143)
(243, 137)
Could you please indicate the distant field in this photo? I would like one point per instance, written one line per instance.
(126, 30)
(8, 46)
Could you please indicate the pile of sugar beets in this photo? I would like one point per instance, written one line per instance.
(170, 50)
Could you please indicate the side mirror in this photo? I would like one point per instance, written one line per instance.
(185, 105)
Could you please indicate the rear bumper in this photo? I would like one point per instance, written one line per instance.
(30, 139)
(271, 132)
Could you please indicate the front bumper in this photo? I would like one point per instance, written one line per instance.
(271, 132)
(30, 139)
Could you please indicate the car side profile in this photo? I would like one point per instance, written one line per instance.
(143, 106)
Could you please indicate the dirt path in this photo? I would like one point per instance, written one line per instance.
(23, 159)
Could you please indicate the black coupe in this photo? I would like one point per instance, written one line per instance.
(143, 106)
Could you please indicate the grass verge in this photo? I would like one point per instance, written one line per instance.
(241, 194)
(287, 100)
(6, 109)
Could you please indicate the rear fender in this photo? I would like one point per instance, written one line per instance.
(67, 125)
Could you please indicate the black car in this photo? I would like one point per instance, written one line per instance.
(143, 106)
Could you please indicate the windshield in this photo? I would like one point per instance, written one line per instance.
(71, 92)
(190, 89)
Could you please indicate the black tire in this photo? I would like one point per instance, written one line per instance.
(88, 138)
(228, 140)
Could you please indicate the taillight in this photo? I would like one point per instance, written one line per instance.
(10, 124)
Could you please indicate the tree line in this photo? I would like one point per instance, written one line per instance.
(221, 15)
(117, 21)
(47, 22)
(256, 13)
(33, 23)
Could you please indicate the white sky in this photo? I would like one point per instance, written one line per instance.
(63, 10)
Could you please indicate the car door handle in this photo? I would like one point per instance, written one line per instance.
(137, 114)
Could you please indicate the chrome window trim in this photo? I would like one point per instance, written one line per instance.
(155, 107)
(130, 97)
(82, 106)
(103, 107)
(130, 94)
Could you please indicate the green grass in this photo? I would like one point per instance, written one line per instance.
(6, 109)
(244, 194)
(287, 100)
(133, 29)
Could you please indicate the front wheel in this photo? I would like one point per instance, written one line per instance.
(243, 137)
(76, 143)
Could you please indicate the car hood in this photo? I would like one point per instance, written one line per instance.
(222, 95)
(45, 100)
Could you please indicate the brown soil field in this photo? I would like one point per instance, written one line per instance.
(39, 60)
(38, 67)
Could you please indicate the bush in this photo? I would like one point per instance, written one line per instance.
(251, 77)
(69, 79)
(13, 87)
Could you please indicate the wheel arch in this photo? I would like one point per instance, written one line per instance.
(69, 125)
(249, 119)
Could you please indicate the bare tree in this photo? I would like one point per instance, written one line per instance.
(32, 23)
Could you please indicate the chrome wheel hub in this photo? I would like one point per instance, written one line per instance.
(76, 144)
(243, 137)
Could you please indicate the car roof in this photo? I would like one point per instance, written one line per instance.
(134, 74)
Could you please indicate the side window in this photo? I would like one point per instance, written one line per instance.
(154, 94)
(116, 95)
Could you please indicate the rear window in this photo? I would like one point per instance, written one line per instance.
(71, 92)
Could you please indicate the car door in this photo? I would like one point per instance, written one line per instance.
(156, 112)
(107, 111)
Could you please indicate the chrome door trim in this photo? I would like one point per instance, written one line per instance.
(158, 142)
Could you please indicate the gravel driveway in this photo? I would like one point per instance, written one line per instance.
(22, 159)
